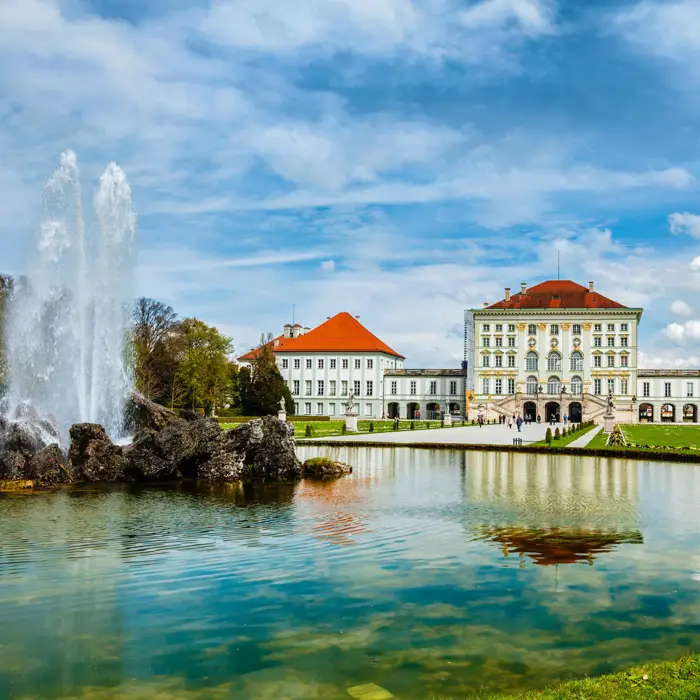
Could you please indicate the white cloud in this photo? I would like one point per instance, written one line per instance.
(679, 332)
(328, 265)
(685, 223)
(533, 17)
(680, 308)
(695, 264)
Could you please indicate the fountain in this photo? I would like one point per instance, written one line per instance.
(69, 318)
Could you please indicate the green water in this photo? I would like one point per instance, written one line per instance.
(427, 573)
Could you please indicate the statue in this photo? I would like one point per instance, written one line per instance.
(447, 406)
(351, 403)
(611, 405)
(283, 408)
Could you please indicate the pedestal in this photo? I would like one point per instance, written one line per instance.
(447, 420)
(351, 422)
(608, 424)
(282, 415)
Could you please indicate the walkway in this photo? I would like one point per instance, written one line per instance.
(585, 439)
(471, 435)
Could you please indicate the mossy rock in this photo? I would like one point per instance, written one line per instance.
(22, 485)
(324, 466)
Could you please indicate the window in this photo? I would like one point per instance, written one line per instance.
(554, 329)
(393, 387)
(320, 364)
(343, 388)
(307, 408)
(433, 388)
(499, 328)
(485, 361)
(486, 342)
(554, 362)
(308, 363)
(624, 360)
(576, 329)
(623, 341)
(413, 388)
(319, 387)
(511, 360)
(531, 362)
(531, 386)
(358, 364)
(307, 387)
(576, 362)
(623, 328)
(646, 389)
(499, 342)
(611, 327)
(532, 329)
(511, 328)
(356, 387)
(611, 386)
(486, 328)
(346, 362)
(285, 364)
(370, 364)
(368, 409)
(499, 360)
(623, 386)
(667, 388)
(331, 387)
(689, 389)
(453, 388)
(611, 360)
(484, 386)
(597, 328)
(553, 385)
(597, 361)
(499, 386)
(331, 409)
(597, 341)
(333, 367)
(597, 386)
(511, 385)
(511, 342)
(297, 364)
(576, 385)
(369, 386)
(295, 389)
(611, 341)
(296, 408)
(319, 409)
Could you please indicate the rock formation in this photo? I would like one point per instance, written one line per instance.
(323, 466)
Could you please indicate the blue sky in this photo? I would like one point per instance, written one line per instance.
(398, 159)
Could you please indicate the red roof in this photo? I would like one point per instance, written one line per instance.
(341, 333)
(557, 294)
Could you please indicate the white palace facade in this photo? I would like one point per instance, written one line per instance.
(556, 349)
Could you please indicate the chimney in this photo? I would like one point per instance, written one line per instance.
(507, 293)
(357, 317)
(523, 288)
(486, 304)
(305, 330)
(287, 330)
(590, 286)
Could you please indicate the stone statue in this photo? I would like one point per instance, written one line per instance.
(611, 406)
(283, 408)
(447, 406)
(351, 403)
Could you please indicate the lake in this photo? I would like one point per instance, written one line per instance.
(429, 573)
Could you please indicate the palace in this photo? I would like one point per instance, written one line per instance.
(556, 349)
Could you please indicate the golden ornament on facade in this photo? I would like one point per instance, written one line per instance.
(542, 326)
(565, 326)
(521, 326)
(587, 326)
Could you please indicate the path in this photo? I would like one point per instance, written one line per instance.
(585, 439)
(471, 435)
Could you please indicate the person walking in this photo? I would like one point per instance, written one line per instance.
(519, 423)
(510, 423)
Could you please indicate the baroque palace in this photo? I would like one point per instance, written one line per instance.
(556, 349)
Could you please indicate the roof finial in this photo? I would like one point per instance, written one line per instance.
(558, 264)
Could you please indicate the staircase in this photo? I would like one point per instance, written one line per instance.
(593, 406)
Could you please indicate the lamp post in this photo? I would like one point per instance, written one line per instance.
(561, 401)
(634, 402)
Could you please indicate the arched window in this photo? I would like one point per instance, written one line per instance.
(531, 362)
(553, 385)
(576, 361)
(531, 386)
(554, 362)
(576, 385)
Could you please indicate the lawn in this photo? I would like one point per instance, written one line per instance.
(564, 441)
(671, 435)
(667, 680)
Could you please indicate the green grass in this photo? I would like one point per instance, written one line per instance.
(563, 442)
(672, 435)
(666, 680)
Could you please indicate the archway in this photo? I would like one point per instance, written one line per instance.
(668, 413)
(575, 412)
(646, 413)
(411, 410)
(454, 409)
(551, 412)
(393, 410)
(690, 413)
(432, 410)
(530, 411)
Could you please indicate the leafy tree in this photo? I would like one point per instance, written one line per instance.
(548, 436)
(204, 370)
(262, 396)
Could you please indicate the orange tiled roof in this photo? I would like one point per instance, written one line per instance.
(554, 294)
(341, 333)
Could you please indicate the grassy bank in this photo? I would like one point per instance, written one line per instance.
(567, 439)
(666, 680)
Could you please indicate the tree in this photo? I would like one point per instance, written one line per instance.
(266, 387)
(6, 293)
(154, 324)
(204, 372)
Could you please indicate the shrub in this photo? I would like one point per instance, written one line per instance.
(548, 436)
(473, 422)
(371, 427)
(557, 434)
(309, 431)
(343, 430)
(413, 425)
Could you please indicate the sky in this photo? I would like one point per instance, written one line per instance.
(397, 159)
